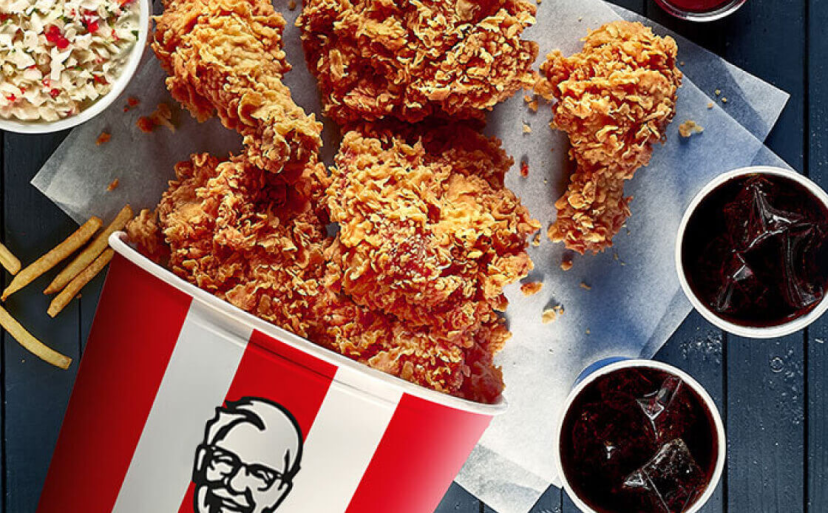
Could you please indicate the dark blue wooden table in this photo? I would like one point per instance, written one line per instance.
(773, 394)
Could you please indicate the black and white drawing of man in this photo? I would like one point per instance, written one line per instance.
(251, 452)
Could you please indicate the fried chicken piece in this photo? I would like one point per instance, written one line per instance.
(226, 57)
(615, 100)
(254, 239)
(243, 234)
(412, 60)
(458, 362)
(430, 234)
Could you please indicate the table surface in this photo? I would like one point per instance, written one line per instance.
(772, 394)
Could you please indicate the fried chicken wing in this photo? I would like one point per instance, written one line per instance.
(428, 230)
(412, 60)
(226, 57)
(614, 99)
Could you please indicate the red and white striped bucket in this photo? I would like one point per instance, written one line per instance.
(186, 403)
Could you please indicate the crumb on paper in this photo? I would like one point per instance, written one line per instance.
(533, 105)
(161, 117)
(132, 102)
(527, 129)
(718, 92)
(527, 98)
(585, 286)
(113, 185)
(551, 314)
(103, 138)
(724, 100)
(291, 5)
(690, 127)
(531, 288)
(566, 265)
(536, 240)
(709, 105)
(681, 63)
(587, 331)
(524, 169)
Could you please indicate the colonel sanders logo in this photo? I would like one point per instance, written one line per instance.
(251, 452)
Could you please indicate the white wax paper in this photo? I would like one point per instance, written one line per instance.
(634, 303)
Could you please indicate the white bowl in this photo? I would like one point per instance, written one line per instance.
(721, 440)
(779, 330)
(45, 127)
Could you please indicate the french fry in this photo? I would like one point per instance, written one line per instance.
(93, 251)
(53, 257)
(9, 261)
(32, 344)
(78, 282)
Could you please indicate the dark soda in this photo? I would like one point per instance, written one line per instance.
(639, 439)
(755, 250)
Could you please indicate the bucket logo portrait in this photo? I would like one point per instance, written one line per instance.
(251, 452)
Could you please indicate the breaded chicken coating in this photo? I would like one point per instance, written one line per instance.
(429, 232)
(417, 59)
(614, 99)
(260, 242)
(226, 57)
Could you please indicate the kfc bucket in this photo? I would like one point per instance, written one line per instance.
(185, 403)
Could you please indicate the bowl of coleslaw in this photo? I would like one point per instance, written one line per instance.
(66, 61)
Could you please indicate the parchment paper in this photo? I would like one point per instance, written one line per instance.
(634, 303)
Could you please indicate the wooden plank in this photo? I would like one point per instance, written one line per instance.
(817, 409)
(766, 424)
(816, 371)
(549, 502)
(458, 500)
(35, 393)
(4, 279)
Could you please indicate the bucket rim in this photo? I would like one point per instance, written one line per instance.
(118, 242)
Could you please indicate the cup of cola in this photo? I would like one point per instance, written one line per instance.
(639, 435)
(752, 252)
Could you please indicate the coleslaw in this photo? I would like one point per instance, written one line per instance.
(60, 56)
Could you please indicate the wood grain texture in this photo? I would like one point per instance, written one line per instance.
(35, 392)
(817, 350)
(458, 500)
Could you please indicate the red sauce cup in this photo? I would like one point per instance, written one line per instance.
(700, 10)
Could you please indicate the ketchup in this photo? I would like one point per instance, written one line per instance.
(700, 6)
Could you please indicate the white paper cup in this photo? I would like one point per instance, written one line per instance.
(779, 330)
(137, 52)
(609, 365)
(183, 400)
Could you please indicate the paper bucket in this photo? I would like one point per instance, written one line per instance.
(185, 403)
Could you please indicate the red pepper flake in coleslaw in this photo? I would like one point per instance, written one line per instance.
(59, 56)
